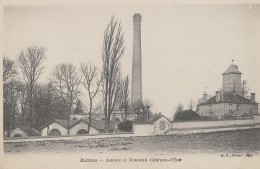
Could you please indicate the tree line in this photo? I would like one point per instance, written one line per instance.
(28, 102)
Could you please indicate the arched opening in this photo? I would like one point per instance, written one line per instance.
(54, 132)
(82, 131)
(117, 120)
(18, 135)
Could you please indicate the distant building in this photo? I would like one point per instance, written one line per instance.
(229, 102)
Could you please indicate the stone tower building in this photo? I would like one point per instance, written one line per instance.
(136, 88)
(229, 103)
(232, 80)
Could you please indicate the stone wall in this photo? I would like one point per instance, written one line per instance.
(218, 123)
(143, 129)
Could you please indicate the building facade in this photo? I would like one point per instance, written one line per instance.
(229, 102)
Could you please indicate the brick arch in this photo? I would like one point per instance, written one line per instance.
(18, 133)
(55, 132)
(82, 131)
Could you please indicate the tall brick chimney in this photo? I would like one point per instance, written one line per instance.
(136, 88)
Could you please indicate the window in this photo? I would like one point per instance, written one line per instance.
(230, 107)
(210, 108)
(237, 107)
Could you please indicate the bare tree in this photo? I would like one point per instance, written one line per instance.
(10, 92)
(142, 109)
(91, 82)
(113, 50)
(245, 89)
(31, 63)
(178, 110)
(199, 101)
(66, 81)
(8, 68)
(124, 96)
(191, 105)
(42, 104)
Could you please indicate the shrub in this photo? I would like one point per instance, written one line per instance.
(187, 115)
(126, 126)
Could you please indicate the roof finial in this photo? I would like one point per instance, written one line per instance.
(205, 91)
(232, 61)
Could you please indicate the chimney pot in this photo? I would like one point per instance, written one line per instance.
(205, 97)
(252, 97)
(217, 96)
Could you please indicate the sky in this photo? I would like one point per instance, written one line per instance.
(185, 48)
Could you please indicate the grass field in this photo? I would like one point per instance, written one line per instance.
(239, 141)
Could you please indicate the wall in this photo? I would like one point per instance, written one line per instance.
(54, 125)
(18, 131)
(256, 119)
(207, 124)
(162, 125)
(82, 125)
(220, 109)
(216, 108)
(143, 129)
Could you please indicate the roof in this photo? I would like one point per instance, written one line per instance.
(229, 98)
(232, 69)
(30, 131)
(62, 122)
(155, 118)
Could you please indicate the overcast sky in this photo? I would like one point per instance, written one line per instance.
(185, 48)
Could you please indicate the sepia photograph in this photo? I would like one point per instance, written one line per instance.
(150, 84)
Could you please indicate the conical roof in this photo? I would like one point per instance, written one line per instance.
(232, 69)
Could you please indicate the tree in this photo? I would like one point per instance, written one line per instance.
(79, 109)
(91, 82)
(10, 105)
(178, 111)
(113, 50)
(124, 96)
(191, 105)
(187, 115)
(142, 109)
(66, 81)
(245, 89)
(8, 69)
(31, 63)
(42, 104)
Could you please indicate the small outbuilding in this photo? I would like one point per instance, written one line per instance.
(157, 125)
(24, 131)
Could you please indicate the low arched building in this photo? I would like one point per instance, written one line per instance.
(76, 127)
(24, 131)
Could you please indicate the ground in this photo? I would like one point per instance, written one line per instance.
(239, 141)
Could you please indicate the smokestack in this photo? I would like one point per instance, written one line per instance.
(252, 97)
(217, 96)
(205, 97)
(136, 88)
